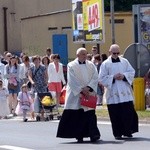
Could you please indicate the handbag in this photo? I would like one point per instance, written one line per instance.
(12, 86)
(89, 101)
(62, 95)
(12, 82)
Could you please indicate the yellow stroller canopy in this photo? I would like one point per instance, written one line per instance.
(48, 101)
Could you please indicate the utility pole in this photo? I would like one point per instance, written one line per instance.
(112, 21)
(5, 29)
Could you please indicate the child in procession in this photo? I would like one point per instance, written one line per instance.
(25, 103)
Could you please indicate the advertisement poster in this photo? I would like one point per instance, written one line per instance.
(145, 25)
(88, 21)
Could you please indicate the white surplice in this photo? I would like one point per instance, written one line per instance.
(79, 76)
(120, 91)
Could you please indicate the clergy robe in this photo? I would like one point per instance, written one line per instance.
(119, 95)
(79, 76)
(78, 122)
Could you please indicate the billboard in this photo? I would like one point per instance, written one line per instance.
(141, 14)
(88, 21)
(145, 25)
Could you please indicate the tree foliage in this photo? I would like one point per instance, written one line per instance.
(124, 5)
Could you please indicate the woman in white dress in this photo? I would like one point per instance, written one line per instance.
(4, 109)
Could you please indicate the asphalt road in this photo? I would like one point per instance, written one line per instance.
(18, 135)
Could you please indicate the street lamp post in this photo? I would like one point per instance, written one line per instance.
(112, 21)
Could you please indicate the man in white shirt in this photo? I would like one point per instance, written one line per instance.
(78, 121)
(117, 75)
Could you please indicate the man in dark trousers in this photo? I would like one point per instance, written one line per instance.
(117, 75)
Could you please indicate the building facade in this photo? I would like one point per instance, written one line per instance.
(32, 26)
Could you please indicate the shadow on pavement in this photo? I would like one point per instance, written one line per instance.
(96, 143)
(137, 139)
(123, 140)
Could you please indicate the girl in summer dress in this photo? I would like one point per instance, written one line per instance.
(25, 103)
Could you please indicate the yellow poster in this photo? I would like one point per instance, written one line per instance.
(88, 20)
(92, 12)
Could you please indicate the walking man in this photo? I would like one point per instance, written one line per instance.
(77, 120)
(117, 75)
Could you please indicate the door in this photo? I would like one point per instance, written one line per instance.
(60, 47)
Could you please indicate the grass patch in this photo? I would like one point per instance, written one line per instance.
(103, 112)
(144, 114)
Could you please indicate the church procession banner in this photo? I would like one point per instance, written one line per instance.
(88, 21)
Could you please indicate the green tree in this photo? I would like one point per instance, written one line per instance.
(124, 5)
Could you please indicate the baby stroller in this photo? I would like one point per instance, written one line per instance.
(47, 105)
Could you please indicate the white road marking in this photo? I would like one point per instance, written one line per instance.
(8, 147)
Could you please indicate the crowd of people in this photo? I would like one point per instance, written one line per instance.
(89, 75)
(22, 77)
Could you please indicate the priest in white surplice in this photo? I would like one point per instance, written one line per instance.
(78, 121)
(116, 74)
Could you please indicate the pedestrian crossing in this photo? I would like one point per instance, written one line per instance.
(9, 147)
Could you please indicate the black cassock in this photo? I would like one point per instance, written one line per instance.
(78, 124)
(123, 118)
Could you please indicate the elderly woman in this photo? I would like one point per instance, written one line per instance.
(38, 77)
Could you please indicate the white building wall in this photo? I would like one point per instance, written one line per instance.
(32, 34)
(41, 37)
(18, 9)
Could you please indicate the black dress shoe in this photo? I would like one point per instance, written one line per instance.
(118, 137)
(80, 140)
(25, 120)
(95, 138)
(129, 135)
(14, 115)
